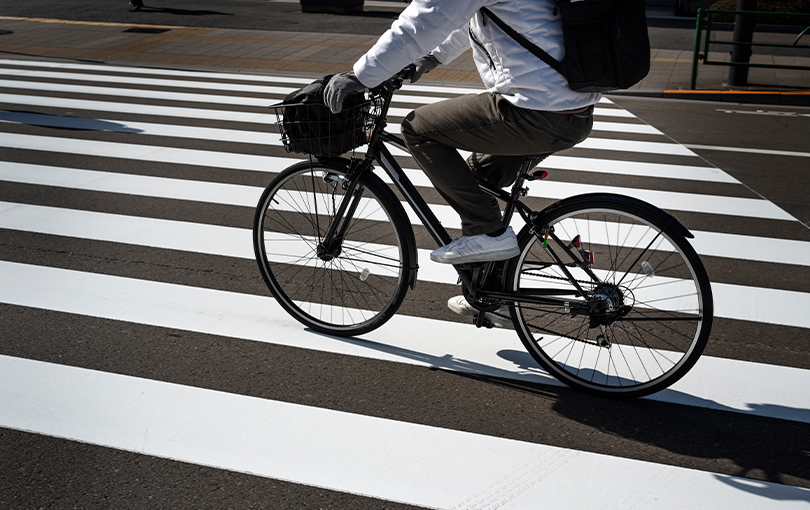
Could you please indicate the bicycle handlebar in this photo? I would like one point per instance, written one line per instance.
(395, 82)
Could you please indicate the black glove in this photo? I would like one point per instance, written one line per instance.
(424, 65)
(340, 86)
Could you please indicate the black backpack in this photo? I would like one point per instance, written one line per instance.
(307, 125)
(606, 43)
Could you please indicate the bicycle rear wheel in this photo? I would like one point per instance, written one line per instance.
(647, 311)
(353, 288)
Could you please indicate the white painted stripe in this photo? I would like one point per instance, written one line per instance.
(439, 89)
(148, 82)
(638, 168)
(184, 84)
(715, 244)
(625, 127)
(675, 201)
(731, 301)
(748, 150)
(147, 153)
(613, 112)
(136, 94)
(381, 458)
(751, 388)
(144, 128)
(670, 149)
(154, 71)
(664, 199)
(139, 109)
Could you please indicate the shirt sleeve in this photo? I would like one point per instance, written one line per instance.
(456, 43)
(423, 26)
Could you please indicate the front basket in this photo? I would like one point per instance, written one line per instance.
(310, 128)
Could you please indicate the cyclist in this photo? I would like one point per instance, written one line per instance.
(528, 108)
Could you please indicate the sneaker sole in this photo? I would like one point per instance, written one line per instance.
(487, 257)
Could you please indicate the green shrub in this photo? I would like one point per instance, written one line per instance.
(795, 6)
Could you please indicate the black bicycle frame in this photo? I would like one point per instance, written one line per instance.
(379, 152)
(536, 296)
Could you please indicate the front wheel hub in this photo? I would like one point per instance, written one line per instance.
(327, 253)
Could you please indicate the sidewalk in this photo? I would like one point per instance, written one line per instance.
(322, 53)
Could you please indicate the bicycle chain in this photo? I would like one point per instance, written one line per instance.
(561, 278)
(544, 330)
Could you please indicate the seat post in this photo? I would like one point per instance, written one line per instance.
(529, 162)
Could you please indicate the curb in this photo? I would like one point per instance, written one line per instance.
(781, 98)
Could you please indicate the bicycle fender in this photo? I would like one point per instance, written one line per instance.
(375, 180)
(594, 198)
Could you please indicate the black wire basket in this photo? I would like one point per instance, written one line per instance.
(310, 128)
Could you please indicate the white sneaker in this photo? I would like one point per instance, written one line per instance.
(481, 248)
(500, 318)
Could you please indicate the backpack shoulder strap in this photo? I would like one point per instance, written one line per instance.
(539, 53)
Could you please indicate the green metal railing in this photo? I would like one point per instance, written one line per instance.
(704, 20)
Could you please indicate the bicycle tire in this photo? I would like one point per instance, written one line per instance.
(644, 263)
(354, 291)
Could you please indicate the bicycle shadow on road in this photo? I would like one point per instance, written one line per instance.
(680, 426)
(701, 428)
(448, 361)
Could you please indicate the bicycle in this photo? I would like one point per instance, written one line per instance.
(607, 294)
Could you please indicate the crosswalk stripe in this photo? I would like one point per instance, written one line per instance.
(445, 89)
(731, 301)
(666, 199)
(752, 388)
(638, 169)
(348, 452)
(748, 247)
(201, 85)
(139, 109)
(148, 128)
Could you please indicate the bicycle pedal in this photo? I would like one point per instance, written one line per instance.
(483, 323)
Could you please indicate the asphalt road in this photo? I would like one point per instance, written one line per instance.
(121, 262)
(106, 296)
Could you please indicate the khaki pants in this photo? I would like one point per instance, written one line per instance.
(498, 134)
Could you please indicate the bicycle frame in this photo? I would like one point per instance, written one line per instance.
(469, 276)
(472, 276)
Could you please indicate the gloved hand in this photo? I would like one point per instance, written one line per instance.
(340, 86)
(424, 65)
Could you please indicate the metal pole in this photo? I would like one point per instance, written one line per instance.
(744, 33)
(696, 52)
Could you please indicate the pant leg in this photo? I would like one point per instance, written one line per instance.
(486, 124)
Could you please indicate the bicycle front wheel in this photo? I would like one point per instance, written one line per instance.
(358, 283)
(646, 312)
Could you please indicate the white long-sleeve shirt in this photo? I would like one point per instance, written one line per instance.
(450, 27)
